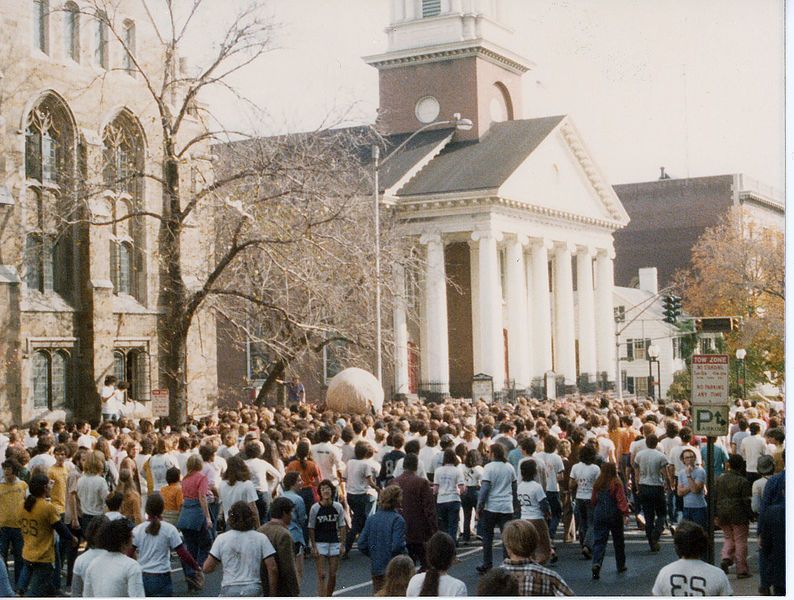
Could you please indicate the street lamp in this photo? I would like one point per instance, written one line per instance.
(653, 357)
(740, 354)
(460, 124)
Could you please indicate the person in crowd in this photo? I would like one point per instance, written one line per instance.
(435, 581)
(554, 472)
(131, 498)
(398, 573)
(766, 468)
(582, 477)
(428, 453)
(691, 486)
(689, 575)
(418, 510)
(610, 510)
(107, 396)
(650, 467)
(237, 486)
(309, 473)
(327, 530)
(472, 476)
(298, 526)
(383, 536)
(732, 491)
(753, 447)
(535, 508)
(39, 521)
(448, 486)
(12, 497)
(244, 554)
(328, 458)
(495, 503)
(520, 542)
(195, 521)
(390, 460)
(113, 503)
(772, 547)
(277, 531)
(86, 558)
(72, 514)
(154, 540)
(261, 471)
(172, 495)
(360, 479)
(497, 582)
(92, 488)
(157, 466)
(113, 574)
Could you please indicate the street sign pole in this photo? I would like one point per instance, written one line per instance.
(710, 504)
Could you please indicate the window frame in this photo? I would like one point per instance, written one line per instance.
(41, 26)
(101, 41)
(71, 31)
(49, 354)
(430, 8)
(129, 42)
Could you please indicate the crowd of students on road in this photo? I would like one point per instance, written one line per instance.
(257, 492)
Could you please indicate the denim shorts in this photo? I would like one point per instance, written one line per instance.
(329, 548)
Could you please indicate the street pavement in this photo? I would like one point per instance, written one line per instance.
(353, 577)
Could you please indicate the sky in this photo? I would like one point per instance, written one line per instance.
(694, 86)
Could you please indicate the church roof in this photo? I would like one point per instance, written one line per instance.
(467, 165)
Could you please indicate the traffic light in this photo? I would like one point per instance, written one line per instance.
(736, 323)
(717, 324)
(671, 306)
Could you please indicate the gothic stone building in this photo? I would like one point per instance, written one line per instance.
(80, 301)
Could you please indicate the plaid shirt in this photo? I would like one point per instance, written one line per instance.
(534, 580)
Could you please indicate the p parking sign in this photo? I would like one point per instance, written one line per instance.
(710, 420)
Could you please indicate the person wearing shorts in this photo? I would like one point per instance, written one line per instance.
(327, 531)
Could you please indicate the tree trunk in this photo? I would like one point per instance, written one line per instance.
(277, 372)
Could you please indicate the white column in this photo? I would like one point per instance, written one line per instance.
(474, 267)
(517, 334)
(490, 310)
(586, 311)
(564, 335)
(400, 332)
(540, 304)
(605, 319)
(436, 351)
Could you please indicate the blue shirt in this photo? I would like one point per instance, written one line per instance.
(691, 499)
(382, 539)
(720, 458)
(299, 518)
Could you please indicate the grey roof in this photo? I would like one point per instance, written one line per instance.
(481, 164)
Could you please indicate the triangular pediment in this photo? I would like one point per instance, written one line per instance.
(559, 177)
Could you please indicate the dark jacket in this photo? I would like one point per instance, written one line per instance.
(733, 492)
(382, 539)
(280, 537)
(418, 507)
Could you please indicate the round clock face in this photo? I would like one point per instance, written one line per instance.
(427, 109)
(498, 110)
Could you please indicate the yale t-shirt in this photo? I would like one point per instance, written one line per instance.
(36, 527)
(326, 522)
(12, 496)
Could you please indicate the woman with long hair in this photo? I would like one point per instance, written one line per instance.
(472, 476)
(327, 529)
(535, 508)
(309, 472)
(398, 573)
(195, 521)
(158, 464)
(131, 503)
(435, 581)
(449, 487)
(92, 488)
(154, 541)
(244, 554)
(611, 510)
(86, 558)
(38, 521)
(237, 486)
(583, 476)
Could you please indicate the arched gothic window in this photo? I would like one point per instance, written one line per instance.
(132, 365)
(123, 158)
(49, 205)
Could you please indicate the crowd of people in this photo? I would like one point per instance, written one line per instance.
(97, 509)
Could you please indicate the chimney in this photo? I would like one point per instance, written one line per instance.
(648, 280)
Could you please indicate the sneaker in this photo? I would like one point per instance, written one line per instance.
(596, 571)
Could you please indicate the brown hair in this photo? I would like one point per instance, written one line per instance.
(520, 538)
(398, 573)
(390, 498)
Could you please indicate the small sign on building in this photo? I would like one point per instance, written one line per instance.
(710, 380)
(482, 388)
(710, 420)
(160, 402)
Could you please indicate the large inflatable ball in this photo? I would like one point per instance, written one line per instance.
(354, 391)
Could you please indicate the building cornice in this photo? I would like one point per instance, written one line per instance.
(479, 48)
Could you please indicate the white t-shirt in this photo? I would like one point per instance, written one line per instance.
(667, 444)
(753, 448)
(675, 456)
(241, 553)
(426, 456)
(329, 459)
(447, 586)
(86, 441)
(226, 452)
(530, 495)
(158, 466)
(229, 494)
(691, 577)
(108, 396)
(92, 491)
(501, 476)
(398, 469)
(585, 476)
(113, 575)
(552, 462)
(260, 469)
(472, 476)
(605, 445)
(45, 460)
(357, 473)
(447, 478)
(154, 551)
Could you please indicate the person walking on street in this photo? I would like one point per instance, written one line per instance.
(398, 573)
(383, 537)
(650, 467)
(448, 486)
(610, 512)
(534, 508)
(327, 529)
(360, 479)
(495, 504)
(691, 487)
(277, 531)
(418, 509)
(583, 476)
(440, 556)
(520, 540)
(732, 492)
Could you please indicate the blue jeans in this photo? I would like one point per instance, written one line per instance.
(698, 515)
(584, 519)
(653, 508)
(198, 543)
(556, 513)
(448, 517)
(360, 505)
(6, 591)
(469, 503)
(40, 579)
(12, 536)
(488, 523)
(601, 531)
(158, 585)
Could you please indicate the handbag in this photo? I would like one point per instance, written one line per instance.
(191, 516)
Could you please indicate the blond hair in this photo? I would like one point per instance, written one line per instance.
(520, 538)
(94, 463)
(194, 463)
